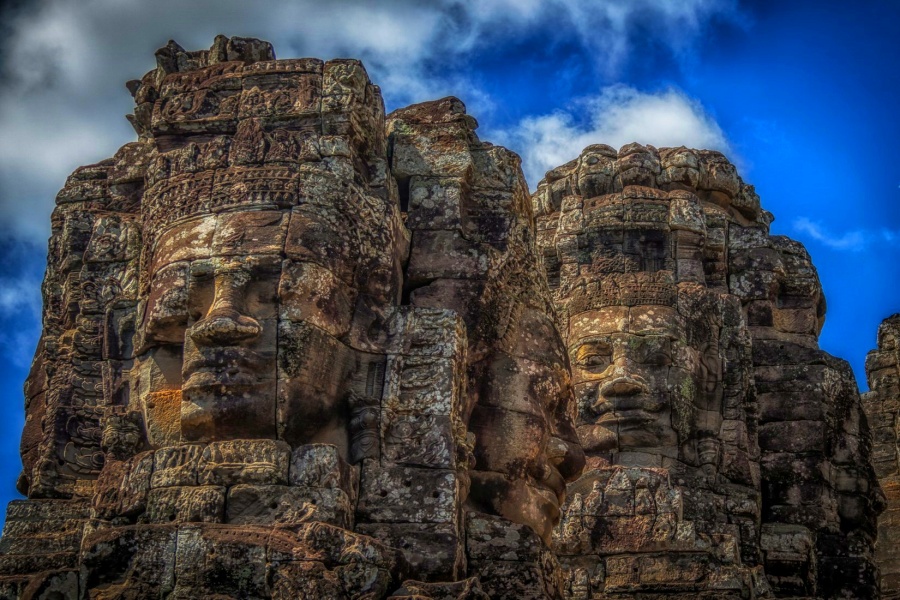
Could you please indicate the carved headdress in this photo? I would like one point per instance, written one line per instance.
(627, 289)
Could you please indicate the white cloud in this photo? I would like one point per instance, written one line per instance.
(20, 302)
(617, 116)
(854, 240)
(20, 293)
(610, 27)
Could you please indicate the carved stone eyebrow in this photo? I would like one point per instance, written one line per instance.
(595, 346)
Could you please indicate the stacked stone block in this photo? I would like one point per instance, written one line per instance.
(881, 404)
(415, 482)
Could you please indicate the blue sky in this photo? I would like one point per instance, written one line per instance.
(801, 95)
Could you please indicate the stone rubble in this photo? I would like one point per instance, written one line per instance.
(294, 347)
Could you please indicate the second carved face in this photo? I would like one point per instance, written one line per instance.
(526, 447)
(647, 388)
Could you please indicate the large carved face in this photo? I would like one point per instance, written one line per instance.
(241, 333)
(645, 389)
(526, 447)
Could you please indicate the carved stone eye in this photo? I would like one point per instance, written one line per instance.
(659, 359)
(596, 355)
(202, 270)
(594, 360)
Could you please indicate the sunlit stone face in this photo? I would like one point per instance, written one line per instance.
(240, 336)
(526, 446)
(644, 392)
(230, 345)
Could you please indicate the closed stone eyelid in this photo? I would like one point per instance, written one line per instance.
(656, 354)
(594, 355)
(598, 348)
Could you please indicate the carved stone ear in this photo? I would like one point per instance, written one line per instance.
(364, 425)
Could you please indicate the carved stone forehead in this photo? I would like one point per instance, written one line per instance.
(533, 335)
(625, 289)
(322, 217)
(643, 320)
(226, 234)
(648, 304)
(183, 195)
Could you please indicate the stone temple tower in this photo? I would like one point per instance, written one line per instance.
(295, 347)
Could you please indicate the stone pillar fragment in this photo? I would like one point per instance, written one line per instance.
(412, 494)
(882, 405)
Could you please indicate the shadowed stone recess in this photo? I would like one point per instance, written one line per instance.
(294, 347)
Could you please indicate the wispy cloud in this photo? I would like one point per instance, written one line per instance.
(618, 115)
(20, 301)
(854, 240)
(20, 293)
(609, 29)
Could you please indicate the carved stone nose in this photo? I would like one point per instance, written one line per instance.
(224, 327)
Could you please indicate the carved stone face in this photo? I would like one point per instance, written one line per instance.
(596, 170)
(679, 165)
(641, 388)
(239, 342)
(637, 165)
(526, 447)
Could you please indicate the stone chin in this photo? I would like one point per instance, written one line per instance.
(597, 438)
(517, 500)
(218, 412)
